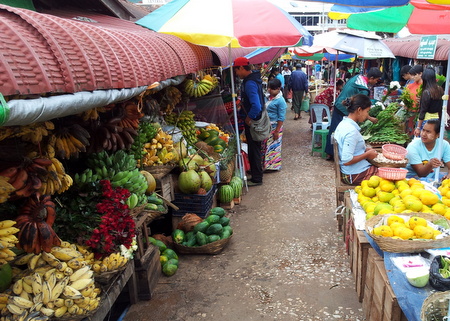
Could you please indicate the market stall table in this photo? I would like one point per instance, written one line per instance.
(408, 298)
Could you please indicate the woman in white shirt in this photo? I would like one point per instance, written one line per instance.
(353, 153)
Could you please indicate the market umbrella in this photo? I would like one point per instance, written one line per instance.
(232, 23)
(419, 16)
(363, 44)
(367, 3)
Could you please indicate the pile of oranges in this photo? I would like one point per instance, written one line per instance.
(397, 227)
(378, 196)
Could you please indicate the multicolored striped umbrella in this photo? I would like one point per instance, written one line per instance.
(218, 23)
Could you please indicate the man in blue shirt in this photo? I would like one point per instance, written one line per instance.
(299, 85)
(253, 100)
(423, 155)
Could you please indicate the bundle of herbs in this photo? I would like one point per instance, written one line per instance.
(389, 128)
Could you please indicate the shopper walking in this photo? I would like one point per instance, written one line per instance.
(276, 107)
(286, 73)
(253, 100)
(358, 84)
(299, 86)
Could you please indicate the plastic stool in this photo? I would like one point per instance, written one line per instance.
(319, 149)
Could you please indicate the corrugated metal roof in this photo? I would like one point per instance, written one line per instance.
(76, 51)
(223, 54)
(409, 46)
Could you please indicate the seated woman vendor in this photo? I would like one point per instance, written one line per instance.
(423, 155)
(353, 153)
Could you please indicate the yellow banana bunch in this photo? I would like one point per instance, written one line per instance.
(110, 263)
(159, 150)
(5, 189)
(7, 240)
(35, 132)
(57, 180)
(60, 287)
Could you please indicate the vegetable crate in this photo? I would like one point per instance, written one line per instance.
(194, 203)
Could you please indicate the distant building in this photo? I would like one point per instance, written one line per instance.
(312, 15)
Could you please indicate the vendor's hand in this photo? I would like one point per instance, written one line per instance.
(373, 119)
(435, 163)
(371, 153)
(248, 120)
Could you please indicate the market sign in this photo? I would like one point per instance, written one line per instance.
(427, 47)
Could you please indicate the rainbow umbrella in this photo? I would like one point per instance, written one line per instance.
(419, 16)
(219, 23)
(232, 23)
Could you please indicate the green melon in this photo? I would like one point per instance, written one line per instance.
(226, 193)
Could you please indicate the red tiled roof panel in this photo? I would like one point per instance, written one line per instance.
(42, 53)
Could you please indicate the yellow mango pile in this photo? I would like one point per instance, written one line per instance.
(397, 228)
(379, 196)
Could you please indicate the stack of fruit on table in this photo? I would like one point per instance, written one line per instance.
(378, 196)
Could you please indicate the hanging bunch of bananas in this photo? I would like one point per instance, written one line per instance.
(145, 133)
(171, 97)
(33, 133)
(184, 121)
(198, 87)
(212, 79)
(69, 141)
(56, 179)
(159, 150)
(55, 284)
(92, 113)
(5, 189)
(7, 241)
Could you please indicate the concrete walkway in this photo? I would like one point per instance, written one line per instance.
(286, 261)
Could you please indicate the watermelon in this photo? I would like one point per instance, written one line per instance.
(226, 193)
(236, 184)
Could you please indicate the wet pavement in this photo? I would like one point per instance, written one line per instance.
(286, 260)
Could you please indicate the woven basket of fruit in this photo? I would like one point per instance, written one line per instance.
(435, 306)
(424, 232)
(210, 248)
(159, 171)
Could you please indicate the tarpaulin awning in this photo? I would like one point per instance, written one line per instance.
(42, 53)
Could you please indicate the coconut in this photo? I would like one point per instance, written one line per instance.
(418, 277)
(189, 182)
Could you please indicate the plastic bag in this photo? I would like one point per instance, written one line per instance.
(437, 281)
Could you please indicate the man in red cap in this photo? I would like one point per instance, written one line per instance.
(253, 101)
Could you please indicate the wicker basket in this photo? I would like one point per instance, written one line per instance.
(392, 174)
(389, 244)
(159, 171)
(134, 212)
(394, 152)
(397, 164)
(210, 248)
(435, 306)
(105, 278)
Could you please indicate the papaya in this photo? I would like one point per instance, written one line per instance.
(162, 247)
(169, 269)
(228, 228)
(213, 238)
(224, 221)
(225, 234)
(213, 132)
(201, 227)
(213, 219)
(171, 254)
(214, 141)
(203, 135)
(154, 199)
(217, 211)
(163, 259)
(201, 238)
(178, 236)
(218, 148)
(191, 241)
(214, 229)
(173, 261)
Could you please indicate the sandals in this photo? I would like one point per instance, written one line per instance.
(297, 117)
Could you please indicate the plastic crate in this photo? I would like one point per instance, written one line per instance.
(198, 204)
